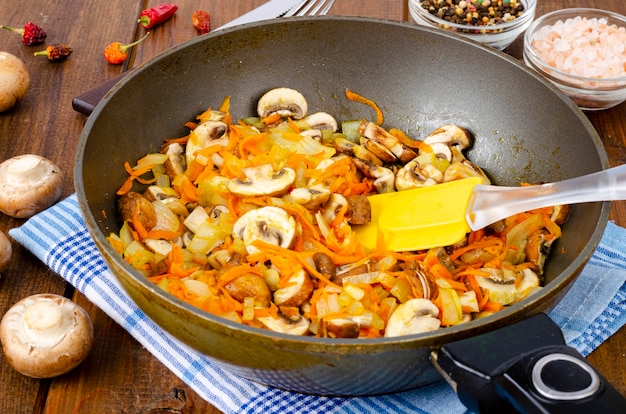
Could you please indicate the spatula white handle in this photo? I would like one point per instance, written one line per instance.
(489, 204)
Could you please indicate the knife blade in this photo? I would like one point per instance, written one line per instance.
(86, 102)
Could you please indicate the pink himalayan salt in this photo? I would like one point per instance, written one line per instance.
(590, 48)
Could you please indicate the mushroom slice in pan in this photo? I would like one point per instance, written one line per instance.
(206, 134)
(312, 197)
(344, 146)
(378, 149)
(449, 134)
(508, 286)
(538, 248)
(250, 285)
(270, 224)
(297, 291)
(286, 102)
(176, 162)
(385, 178)
(284, 325)
(134, 205)
(261, 180)
(322, 121)
(386, 139)
(414, 175)
(412, 317)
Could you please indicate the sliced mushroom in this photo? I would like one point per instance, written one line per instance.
(285, 325)
(412, 317)
(449, 134)
(414, 175)
(501, 284)
(344, 146)
(560, 213)
(321, 121)
(339, 327)
(261, 180)
(29, 184)
(335, 203)
(297, 291)
(133, 203)
(442, 150)
(250, 285)
(285, 102)
(316, 134)
(176, 163)
(422, 287)
(379, 150)
(167, 196)
(45, 335)
(206, 134)
(311, 197)
(386, 139)
(538, 248)
(385, 178)
(270, 224)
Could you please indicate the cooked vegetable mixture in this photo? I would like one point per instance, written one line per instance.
(252, 221)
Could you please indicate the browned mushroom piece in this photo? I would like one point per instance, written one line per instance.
(359, 209)
(133, 203)
(325, 265)
(297, 291)
(45, 335)
(250, 286)
(29, 184)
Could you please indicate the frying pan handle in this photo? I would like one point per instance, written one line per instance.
(525, 367)
(86, 102)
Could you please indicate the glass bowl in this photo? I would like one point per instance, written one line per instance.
(591, 91)
(498, 36)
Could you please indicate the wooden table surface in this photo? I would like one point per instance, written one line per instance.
(119, 375)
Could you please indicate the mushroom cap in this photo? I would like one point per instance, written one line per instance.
(14, 80)
(29, 184)
(6, 251)
(286, 102)
(46, 335)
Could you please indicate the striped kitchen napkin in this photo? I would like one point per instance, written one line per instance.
(593, 309)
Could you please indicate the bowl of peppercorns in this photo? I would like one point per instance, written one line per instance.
(495, 23)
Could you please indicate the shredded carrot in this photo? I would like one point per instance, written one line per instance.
(355, 97)
(377, 281)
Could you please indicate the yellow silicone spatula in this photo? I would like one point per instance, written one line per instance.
(442, 214)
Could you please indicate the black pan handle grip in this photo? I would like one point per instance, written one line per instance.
(86, 102)
(525, 367)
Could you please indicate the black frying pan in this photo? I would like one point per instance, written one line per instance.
(525, 131)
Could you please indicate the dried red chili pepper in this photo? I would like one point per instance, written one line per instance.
(56, 52)
(202, 21)
(156, 15)
(31, 33)
(116, 53)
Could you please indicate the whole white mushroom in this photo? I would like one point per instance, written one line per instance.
(6, 251)
(29, 184)
(45, 335)
(14, 80)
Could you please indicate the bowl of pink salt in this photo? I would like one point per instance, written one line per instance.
(583, 52)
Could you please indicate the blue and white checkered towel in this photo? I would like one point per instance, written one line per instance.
(593, 310)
